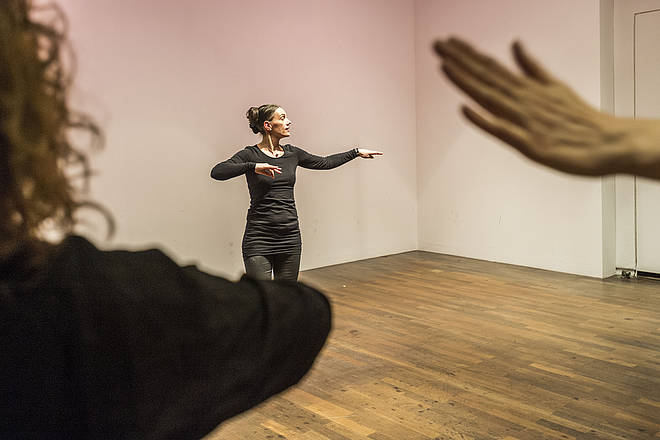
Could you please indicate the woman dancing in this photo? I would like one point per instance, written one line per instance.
(271, 243)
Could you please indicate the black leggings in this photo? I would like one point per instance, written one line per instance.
(282, 266)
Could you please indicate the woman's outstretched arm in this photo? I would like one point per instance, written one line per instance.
(308, 160)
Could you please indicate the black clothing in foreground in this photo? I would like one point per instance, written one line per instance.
(118, 344)
(272, 220)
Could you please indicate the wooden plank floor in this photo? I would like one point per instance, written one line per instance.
(428, 346)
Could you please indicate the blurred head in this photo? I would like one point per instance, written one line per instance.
(37, 157)
(269, 119)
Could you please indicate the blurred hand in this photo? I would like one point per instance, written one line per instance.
(266, 169)
(368, 154)
(545, 119)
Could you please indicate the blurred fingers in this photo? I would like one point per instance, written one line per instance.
(513, 135)
(498, 104)
(529, 65)
(566, 158)
(482, 67)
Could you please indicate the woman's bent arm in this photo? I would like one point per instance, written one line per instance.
(235, 166)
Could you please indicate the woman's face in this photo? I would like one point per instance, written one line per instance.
(279, 124)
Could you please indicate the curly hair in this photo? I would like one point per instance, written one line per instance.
(38, 160)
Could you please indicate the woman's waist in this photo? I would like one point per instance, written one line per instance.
(277, 221)
(273, 208)
(274, 193)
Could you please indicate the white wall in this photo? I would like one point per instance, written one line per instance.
(170, 82)
(478, 198)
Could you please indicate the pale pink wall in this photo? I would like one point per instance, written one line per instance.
(170, 82)
(478, 198)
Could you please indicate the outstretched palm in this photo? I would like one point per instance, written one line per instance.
(368, 154)
(544, 119)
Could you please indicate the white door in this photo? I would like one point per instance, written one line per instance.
(637, 93)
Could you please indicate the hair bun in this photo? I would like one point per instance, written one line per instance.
(253, 118)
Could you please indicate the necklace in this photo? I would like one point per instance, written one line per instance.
(272, 153)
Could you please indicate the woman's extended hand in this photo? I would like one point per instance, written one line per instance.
(545, 119)
(266, 169)
(368, 154)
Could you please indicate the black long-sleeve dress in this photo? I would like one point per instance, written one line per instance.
(272, 220)
(129, 345)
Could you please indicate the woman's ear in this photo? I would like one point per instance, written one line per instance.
(268, 126)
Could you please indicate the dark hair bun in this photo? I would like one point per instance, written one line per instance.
(258, 115)
(253, 118)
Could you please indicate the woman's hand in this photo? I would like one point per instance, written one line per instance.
(368, 154)
(266, 169)
(545, 119)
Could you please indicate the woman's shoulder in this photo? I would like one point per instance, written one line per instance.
(75, 267)
(145, 275)
(76, 260)
(249, 150)
(76, 247)
(290, 148)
